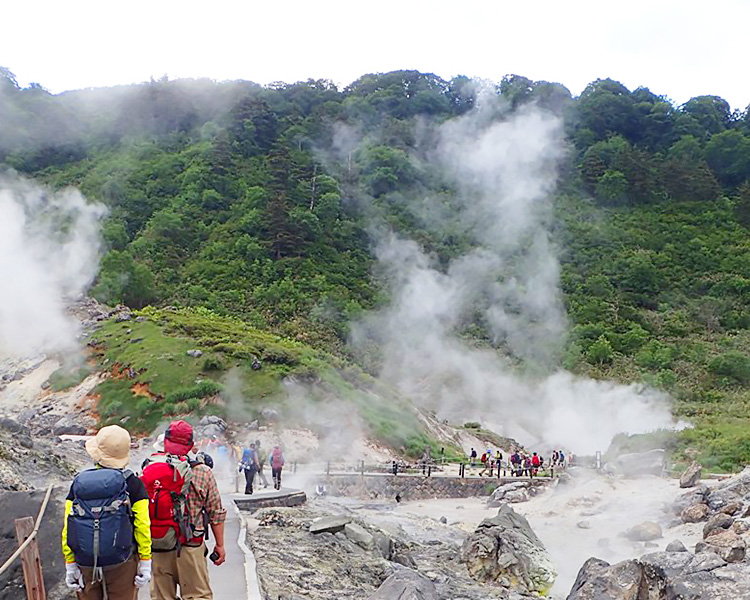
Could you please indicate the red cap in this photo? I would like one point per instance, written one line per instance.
(178, 438)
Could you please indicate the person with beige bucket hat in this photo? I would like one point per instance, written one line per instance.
(106, 537)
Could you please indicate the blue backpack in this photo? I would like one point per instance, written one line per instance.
(100, 528)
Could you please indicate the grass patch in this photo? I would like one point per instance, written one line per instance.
(64, 378)
(247, 367)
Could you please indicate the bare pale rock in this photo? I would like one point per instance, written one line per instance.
(644, 532)
(406, 584)
(329, 524)
(359, 535)
(505, 550)
(676, 546)
(691, 476)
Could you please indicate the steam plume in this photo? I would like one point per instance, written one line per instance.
(504, 168)
(49, 249)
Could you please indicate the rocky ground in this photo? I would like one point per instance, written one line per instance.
(328, 550)
(717, 566)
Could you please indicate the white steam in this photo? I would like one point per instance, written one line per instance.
(49, 250)
(504, 168)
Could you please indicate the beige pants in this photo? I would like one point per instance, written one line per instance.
(119, 581)
(189, 571)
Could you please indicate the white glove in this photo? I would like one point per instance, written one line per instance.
(144, 573)
(73, 576)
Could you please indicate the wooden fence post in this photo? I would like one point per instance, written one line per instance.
(30, 560)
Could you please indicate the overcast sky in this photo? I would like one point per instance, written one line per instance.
(678, 49)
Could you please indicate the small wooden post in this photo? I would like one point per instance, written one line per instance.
(32, 563)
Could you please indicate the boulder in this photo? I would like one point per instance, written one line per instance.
(718, 521)
(506, 549)
(676, 546)
(405, 584)
(405, 559)
(706, 561)
(517, 496)
(384, 544)
(667, 564)
(66, 425)
(732, 508)
(195, 353)
(644, 532)
(691, 476)
(740, 527)
(652, 462)
(696, 495)
(662, 576)
(598, 580)
(720, 498)
(213, 420)
(727, 544)
(695, 513)
(13, 426)
(359, 535)
(498, 496)
(329, 524)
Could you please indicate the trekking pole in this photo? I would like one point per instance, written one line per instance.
(32, 535)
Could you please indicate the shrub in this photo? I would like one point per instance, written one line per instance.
(181, 408)
(472, 425)
(600, 352)
(656, 355)
(213, 363)
(202, 390)
(734, 365)
(193, 404)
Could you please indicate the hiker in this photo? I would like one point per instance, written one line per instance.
(535, 464)
(277, 463)
(561, 458)
(184, 503)
(487, 463)
(250, 466)
(473, 457)
(262, 458)
(527, 465)
(515, 461)
(555, 458)
(106, 536)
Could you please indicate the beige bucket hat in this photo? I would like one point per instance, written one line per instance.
(110, 447)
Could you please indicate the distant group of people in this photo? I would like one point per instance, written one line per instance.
(519, 463)
(123, 531)
(254, 458)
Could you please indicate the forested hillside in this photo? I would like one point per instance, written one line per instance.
(259, 202)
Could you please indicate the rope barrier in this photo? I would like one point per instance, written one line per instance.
(32, 535)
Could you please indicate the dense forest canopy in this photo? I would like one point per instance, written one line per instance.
(248, 200)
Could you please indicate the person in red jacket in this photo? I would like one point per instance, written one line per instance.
(535, 463)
